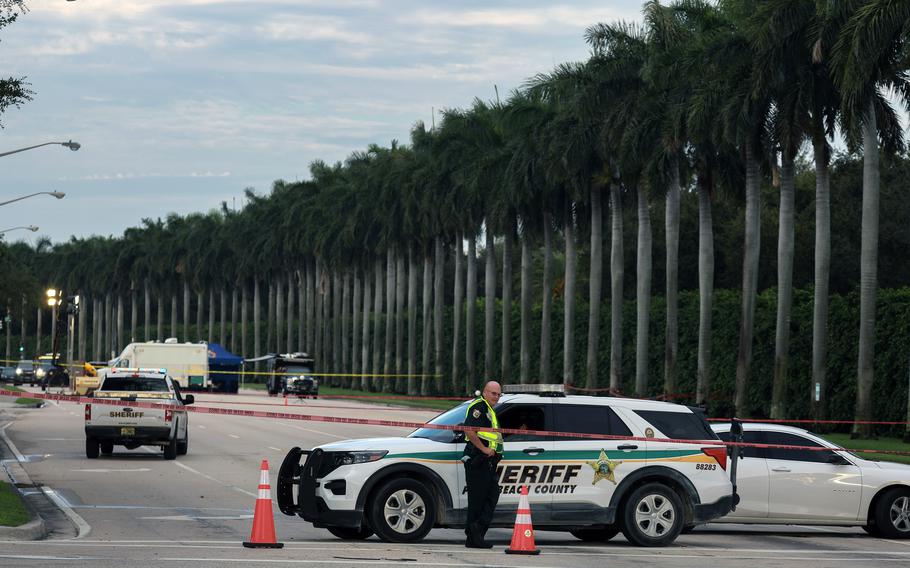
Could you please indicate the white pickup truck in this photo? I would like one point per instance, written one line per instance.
(126, 425)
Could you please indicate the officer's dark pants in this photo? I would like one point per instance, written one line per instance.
(483, 494)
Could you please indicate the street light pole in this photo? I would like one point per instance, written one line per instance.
(70, 144)
(57, 194)
(31, 228)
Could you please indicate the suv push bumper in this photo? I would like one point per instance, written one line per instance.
(308, 505)
(705, 512)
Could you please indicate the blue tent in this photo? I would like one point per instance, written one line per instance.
(223, 368)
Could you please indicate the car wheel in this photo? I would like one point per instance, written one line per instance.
(596, 535)
(652, 516)
(184, 444)
(347, 533)
(92, 448)
(892, 513)
(687, 529)
(107, 448)
(404, 510)
(170, 450)
(871, 529)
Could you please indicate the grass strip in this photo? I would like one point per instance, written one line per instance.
(891, 444)
(325, 391)
(12, 510)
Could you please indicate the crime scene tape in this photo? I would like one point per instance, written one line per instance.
(417, 425)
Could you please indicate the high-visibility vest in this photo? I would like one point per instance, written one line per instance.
(493, 439)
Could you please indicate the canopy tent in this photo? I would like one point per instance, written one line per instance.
(224, 367)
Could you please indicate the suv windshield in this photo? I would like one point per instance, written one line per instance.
(298, 369)
(449, 418)
(25, 365)
(134, 384)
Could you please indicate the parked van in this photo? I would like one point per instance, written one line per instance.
(186, 363)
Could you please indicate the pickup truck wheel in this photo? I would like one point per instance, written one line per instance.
(107, 448)
(596, 535)
(404, 510)
(184, 444)
(653, 515)
(92, 448)
(347, 533)
(170, 450)
(892, 513)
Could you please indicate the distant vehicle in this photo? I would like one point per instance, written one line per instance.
(25, 373)
(186, 363)
(7, 374)
(293, 375)
(88, 381)
(50, 375)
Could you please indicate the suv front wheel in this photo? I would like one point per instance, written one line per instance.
(653, 515)
(404, 510)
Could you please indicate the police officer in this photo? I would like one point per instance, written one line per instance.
(482, 453)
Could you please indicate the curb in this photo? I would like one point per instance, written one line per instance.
(36, 528)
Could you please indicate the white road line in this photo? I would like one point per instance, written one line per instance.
(317, 432)
(201, 427)
(235, 436)
(27, 557)
(19, 457)
(274, 448)
(84, 528)
(137, 470)
(218, 481)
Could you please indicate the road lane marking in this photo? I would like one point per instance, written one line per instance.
(235, 436)
(199, 518)
(19, 457)
(137, 470)
(317, 432)
(60, 501)
(218, 481)
(274, 448)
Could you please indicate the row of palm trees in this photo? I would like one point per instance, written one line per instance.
(698, 97)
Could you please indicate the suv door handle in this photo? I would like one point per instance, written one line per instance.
(781, 468)
(627, 447)
(533, 451)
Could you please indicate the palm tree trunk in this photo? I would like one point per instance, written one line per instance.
(147, 321)
(109, 331)
(784, 284)
(244, 313)
(438, 300)
(506, 354)
(118, 342)
(355, 328)
(595, 286)
(311, 309)
(336, 325)
(327, 343)
(750, 279)
(317, 315)
(868, 280)
(289, 343)
(186, 310)
(388, 383)
(200, 315)
(643, 300)
(159, 334)
(617, 273)
(234, 342)
(547, 301)
(301, 309)
(173, 330)
(458, 311)
(671, 223)
(525, 331)
(568, 356)
(470, 354)
(489, 302)
(377, 327)
(365, 334)
(427, 323)
(82, 320)
(279, 312)
(211, 334)
(822, 277)
(134, 314)
(222, 312)
(270, 324)
(705, 292)
(400, 293)
(412, 322)
(257, 321)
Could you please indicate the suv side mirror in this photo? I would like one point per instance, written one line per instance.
(189, 399)
(459, 437)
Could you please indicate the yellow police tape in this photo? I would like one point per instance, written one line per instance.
(272, 373)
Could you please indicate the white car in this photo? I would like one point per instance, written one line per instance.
(400, 488)
(128, 425)
(816, 487)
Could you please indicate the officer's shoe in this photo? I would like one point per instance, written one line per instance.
(471, 543)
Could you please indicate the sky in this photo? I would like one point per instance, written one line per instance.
(180, 105)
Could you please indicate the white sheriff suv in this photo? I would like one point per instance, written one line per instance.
(125, 424)
(400, 488)
(816, 487)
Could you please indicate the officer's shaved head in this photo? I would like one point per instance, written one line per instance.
(492, 391)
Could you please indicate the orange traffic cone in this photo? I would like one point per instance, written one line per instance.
(523, 534)
(263, 534)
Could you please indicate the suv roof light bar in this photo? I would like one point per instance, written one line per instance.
(540, 390)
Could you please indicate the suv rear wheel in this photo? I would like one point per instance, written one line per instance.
(652, 516)
(404, 510)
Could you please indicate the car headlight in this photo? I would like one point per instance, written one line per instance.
(351, 458)
(18, 371)
(40, 372)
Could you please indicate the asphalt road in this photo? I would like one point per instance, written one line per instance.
(135, 509)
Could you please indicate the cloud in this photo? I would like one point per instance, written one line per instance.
(288, 27)
(130, 175)
(524, 18)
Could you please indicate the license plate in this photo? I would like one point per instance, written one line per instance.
(127, 431)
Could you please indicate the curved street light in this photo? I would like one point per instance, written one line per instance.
(70, 144)
(31, 228)
(57, 194)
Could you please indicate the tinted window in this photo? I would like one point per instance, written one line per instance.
(794, 454)
(679, 425)
(449, 418)
(749, 437)
(523, 417)
(587, 419)
(134, 384)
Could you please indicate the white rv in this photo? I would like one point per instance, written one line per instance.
(186, 363)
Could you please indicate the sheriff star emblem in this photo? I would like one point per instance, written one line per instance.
(603, 468)
(476, 413)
